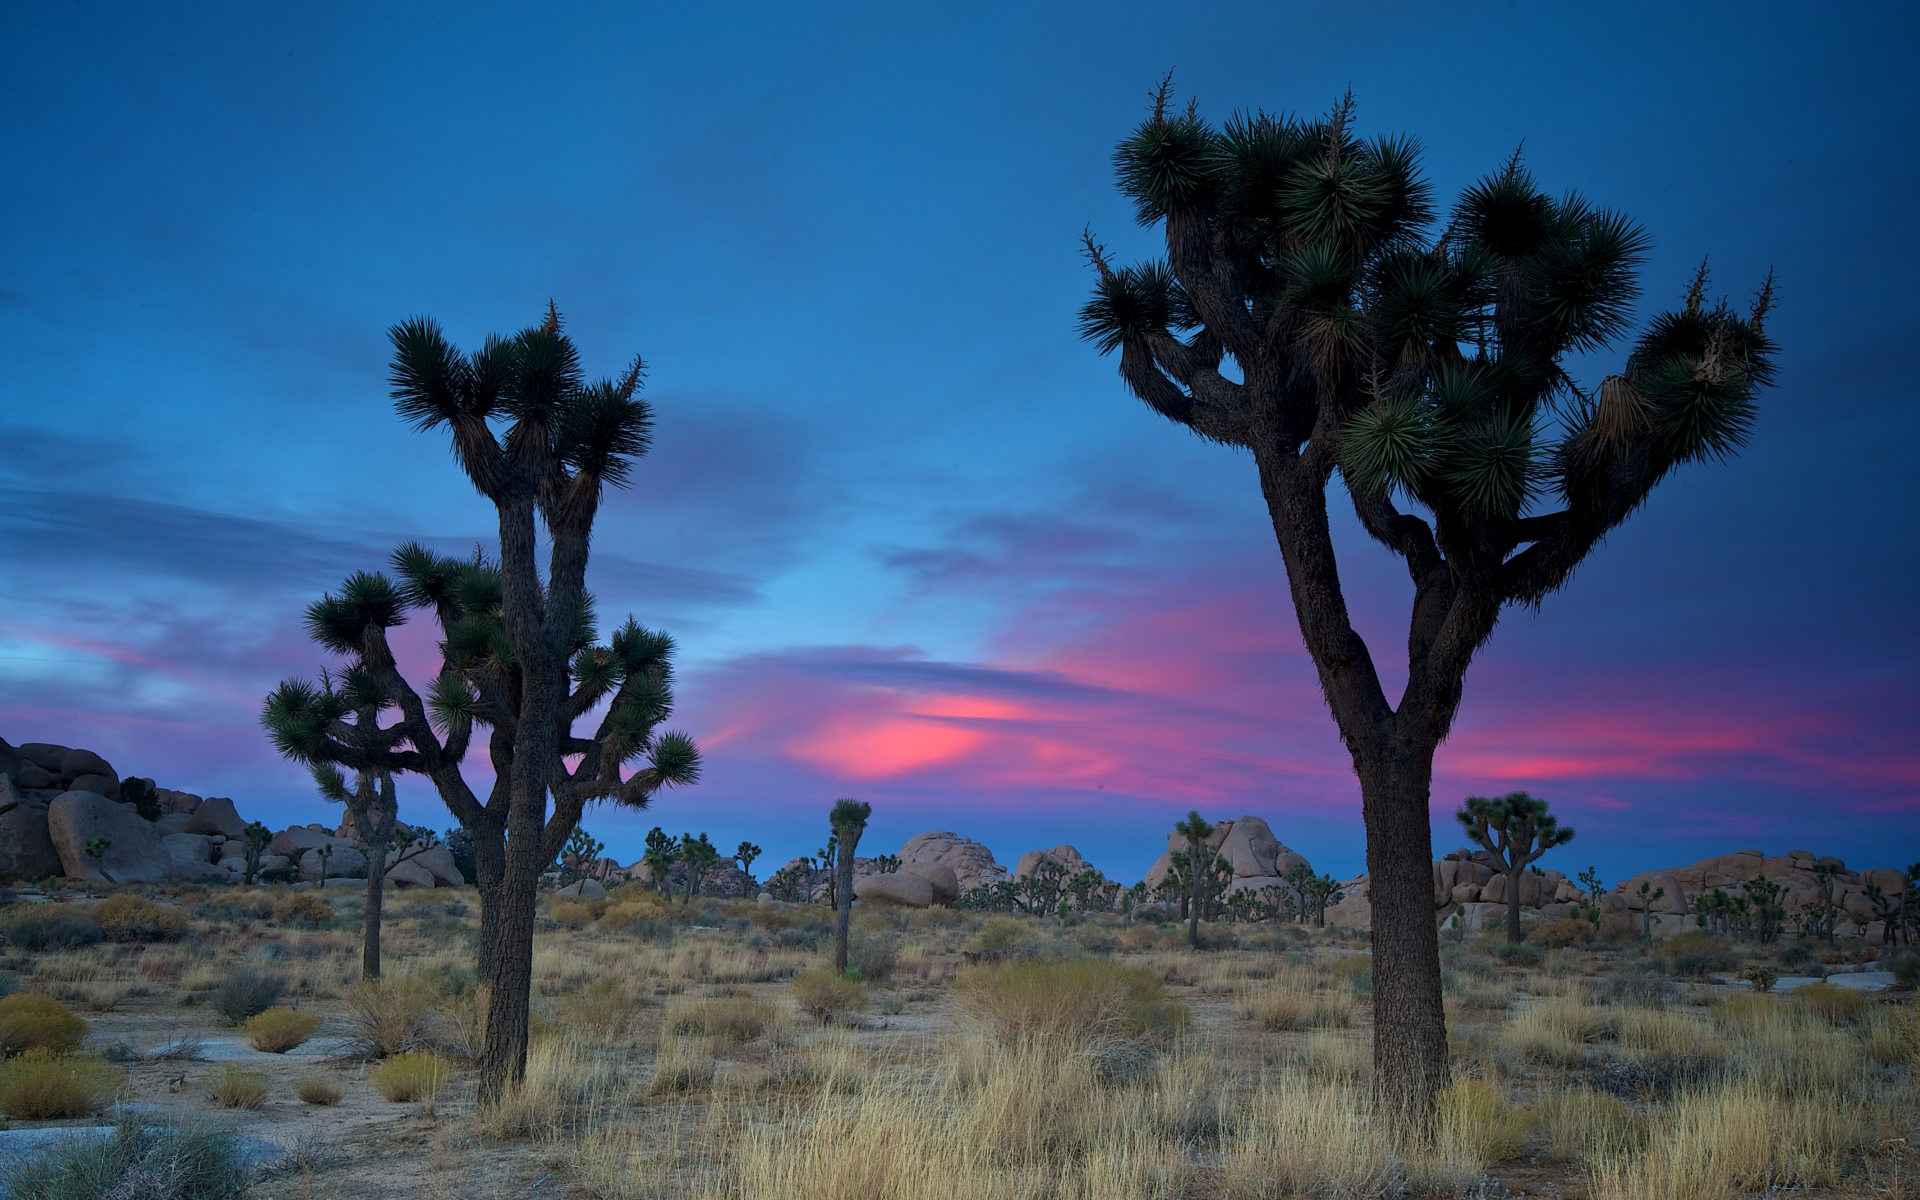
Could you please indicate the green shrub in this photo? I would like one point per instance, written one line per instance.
(38, 928)
(1085, 998)
(156, 1162)
(278, 1030)
(133, 919)
(872, 954)
(30, 1021)
(827, 996)
(43, 1086)
(1568, 931)
(737, 1019)
(1516, 954)
(233, 1086)
(246, 992)
(302, 910)
(415, 1076)
(1003, 935)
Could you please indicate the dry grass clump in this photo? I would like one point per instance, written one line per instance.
(828, 997)
(567, 1087)
(603, 1011)
(44, 1086)
(1663, 1031)
(245, 992)
(1830, 1002)
(1078, 999)
(1287, 1011)
(1579, 1124)
(30, 1022)
(303, 910)
(233, 1086)
(319, 1091)
(1476, 1127)
(1556, 1032)
(1734, 1141)
(385, 1017)
(735, 1019)
(129, 918)
(279, 1030)
(415, 1076)
(576, 914)
(683, 1064)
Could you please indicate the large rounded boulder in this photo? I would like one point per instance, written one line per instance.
(908, 891)
(946, 884)
(133, 854)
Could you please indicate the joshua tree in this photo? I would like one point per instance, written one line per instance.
(519, 654)
(1321, 891)
(829, 855)
(699, 855)
(744, 854)
(579, 858)
(1196, 830)
(1420, 367)
(1516, 829)
(257, 837)
(1648, 894)
(661, 853)
(375, 810)
(1762, 900)
(849, 821)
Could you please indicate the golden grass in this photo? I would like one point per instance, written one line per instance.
(320, 1092)
(415, 1076)
(828, 997)
(734, 1019)
(30, 1021)
(128, 917)
(234, 1086)
(1556, 1032)
(279, 1030)
(1731, 1141)
(1285, 1011)
(43, 1086)
(1579, 1124)
(1078, 999)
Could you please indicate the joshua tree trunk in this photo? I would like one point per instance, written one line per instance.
(843, 900)
(376, 881)
(504, 1058)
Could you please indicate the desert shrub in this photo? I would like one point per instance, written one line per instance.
(234, 1086)
(133, 919)
(603, 1011)
(1579, 1125)
(827, 996)
(246, 992)
(302, 910)
(1905, 966)
(683, 1065)
(1568, 931)
(737, 1019)
(576, 914)
(417, 1075)
(1003, 935)
(1516, 954)
(1761, 976)
(1740, 1011)
(43, 1086)
(1795, 956)
(1085, 998)
(1477, 1126)
(278, 1030)
(41, 927)
(1278, 1011)
(30, 1021)
(385, 1017)
(135, 1160)
(872, 954)
(1830, 1002)
(316, 1090)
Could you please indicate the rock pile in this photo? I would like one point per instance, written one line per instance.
(1259, 859)
(972, 864)
(58, 804)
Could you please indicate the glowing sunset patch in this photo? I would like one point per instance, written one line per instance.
(968, 707)
(876, 748)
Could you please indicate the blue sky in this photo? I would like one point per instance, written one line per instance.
(917, 543)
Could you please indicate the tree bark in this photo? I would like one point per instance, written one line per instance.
(376, 884)
(1409, 1016)
(843, 902)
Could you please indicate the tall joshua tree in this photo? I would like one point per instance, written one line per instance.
(1196, 829)
(1422, 361)
(1516, 829)
(849, 821)
(519, 656)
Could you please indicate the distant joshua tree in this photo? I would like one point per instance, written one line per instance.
(848, 820)
(1196, 830)
(744, 854)
(1517, 829)
(1429, 360)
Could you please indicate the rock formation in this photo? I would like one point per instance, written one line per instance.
(1259, 859)
(971, 863)
(1063, 855)
(894, 887)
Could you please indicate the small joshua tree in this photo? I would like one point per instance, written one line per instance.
(699, 855)
(1648, 894)
(744, 854)
(829, 856)
(1516, 829)
(580, 857)
(849, 821)
(1196, 829)
(375, 810)
(257, 836)
(661, 853)
(1823, 874)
